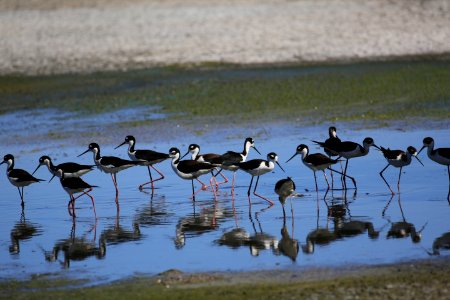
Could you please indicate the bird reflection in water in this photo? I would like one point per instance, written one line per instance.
(402, 228)
(239, 237)
(344, 225)
(22, 231)
(154, 213)
(288, 246)
(76, 248)
(117, 234)
(442, 242)
(196, 224)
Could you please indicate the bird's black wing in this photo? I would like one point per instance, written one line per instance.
(22, 176)
(190, 166)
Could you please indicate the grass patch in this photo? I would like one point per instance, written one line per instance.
(372, 91)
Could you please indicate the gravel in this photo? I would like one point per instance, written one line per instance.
(49, 36)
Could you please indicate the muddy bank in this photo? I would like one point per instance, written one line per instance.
(410, 280)
(45, 36)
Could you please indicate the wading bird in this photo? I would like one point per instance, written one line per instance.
(398, 159)
(145, 158)
(317, 162)
(18, 177)
(258, 167)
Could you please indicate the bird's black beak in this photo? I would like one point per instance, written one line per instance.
(291, 158)
(84, 152)
(51, 178)
(281, 167)
(121, 144)
(2, 162)
(185, 155)
(256, 150)
(421, 149)
(418, 159)
(377, 147)
(36, 169)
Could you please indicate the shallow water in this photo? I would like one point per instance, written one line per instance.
(152, 234)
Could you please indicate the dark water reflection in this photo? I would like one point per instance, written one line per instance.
(153, 233)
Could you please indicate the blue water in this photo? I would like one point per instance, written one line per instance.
(151, 234)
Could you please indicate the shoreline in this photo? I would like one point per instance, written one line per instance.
(415, 278)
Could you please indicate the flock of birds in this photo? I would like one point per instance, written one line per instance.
(200, 164)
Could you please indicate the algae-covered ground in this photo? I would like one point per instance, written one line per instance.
(374, 91)
(412, 280)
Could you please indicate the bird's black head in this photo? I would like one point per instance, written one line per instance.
(192, 147)
(301, 148)
(43, 158)
(174, 151)
(93, 146)
(368, 141)
(272, 156)
(8, 157)
(130, 138)
(332, 131)
(250, 140)
(427, 141)
(411, 150)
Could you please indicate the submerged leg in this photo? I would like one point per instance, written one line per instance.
(326, 179)
(399, 175)
(345, 176)
(21, 197)
(254, 193)
(315, 179)
(381, 174)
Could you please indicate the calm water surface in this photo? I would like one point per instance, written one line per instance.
(151, 234)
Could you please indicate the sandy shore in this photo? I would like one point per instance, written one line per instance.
(49, 36)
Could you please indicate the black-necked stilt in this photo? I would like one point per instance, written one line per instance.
(74, 185)
(317, 162)
(70, 169)
(285, 188)
(145, 158)
(398, 159)
(18, 177)
(331, 142)
(109, 164)
(212, 158)
(230, 160)
(440, 155)
(350, 150)
(258, 167)
(190, 169)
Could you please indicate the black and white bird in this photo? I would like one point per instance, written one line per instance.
(440, 155)
(145, 158)
(212, 158)
(190, 169)
(258, 167)
(330, 143)
(350, 150)
(69, 169)
(74, 185)
(285, 188)
(317, 162)
(18, 177)
(230, 160)
(398, 159)
(109, 164)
